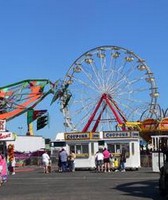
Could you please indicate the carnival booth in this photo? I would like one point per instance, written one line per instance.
(5, 136)
(85, 145)
(127, 141)
(157, 156)
(154, 131)
(160, 134)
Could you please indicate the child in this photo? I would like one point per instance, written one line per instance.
(116, 164)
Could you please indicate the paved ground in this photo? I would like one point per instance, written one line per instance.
(32, 184)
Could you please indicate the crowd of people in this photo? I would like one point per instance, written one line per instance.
(65, 162)
(105, 161)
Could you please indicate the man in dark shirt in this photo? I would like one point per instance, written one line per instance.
(63, 158)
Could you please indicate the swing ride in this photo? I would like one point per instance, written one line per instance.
(18, 98)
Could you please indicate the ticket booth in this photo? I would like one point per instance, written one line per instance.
(157, 154)
(127, 141)
(157, 136)
(5, 136)
(85, 145)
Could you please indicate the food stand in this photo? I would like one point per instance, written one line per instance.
(85, 145)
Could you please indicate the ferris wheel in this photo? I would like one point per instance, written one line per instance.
(110, 85)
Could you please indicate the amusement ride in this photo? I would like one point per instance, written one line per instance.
(106, 88)
(112, 89)
(23, 96)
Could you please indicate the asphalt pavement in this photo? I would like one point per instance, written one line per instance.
(32, 184)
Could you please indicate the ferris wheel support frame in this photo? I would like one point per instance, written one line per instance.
(120, 119)
(98, 119)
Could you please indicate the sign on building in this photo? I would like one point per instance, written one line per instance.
(2, 125)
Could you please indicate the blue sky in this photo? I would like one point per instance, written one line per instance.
(42, 38)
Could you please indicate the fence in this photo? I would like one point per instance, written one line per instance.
(32, 160)
(146, 161)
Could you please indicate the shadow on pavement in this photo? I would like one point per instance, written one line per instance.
(143, 189)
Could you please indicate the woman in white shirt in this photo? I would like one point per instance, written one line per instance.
(45, 160)
(99, 161)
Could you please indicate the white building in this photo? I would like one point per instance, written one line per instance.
(24, 143)
(85, 145)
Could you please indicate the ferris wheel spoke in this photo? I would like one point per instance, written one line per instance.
(103, 62)
(92, 76)
(129, 105)
(85, 111)
(93, 69)
(131, 83)
(85, 84)
(98, 77)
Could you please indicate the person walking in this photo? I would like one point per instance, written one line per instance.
(64, 159)
(45, 160)
(107, 155)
